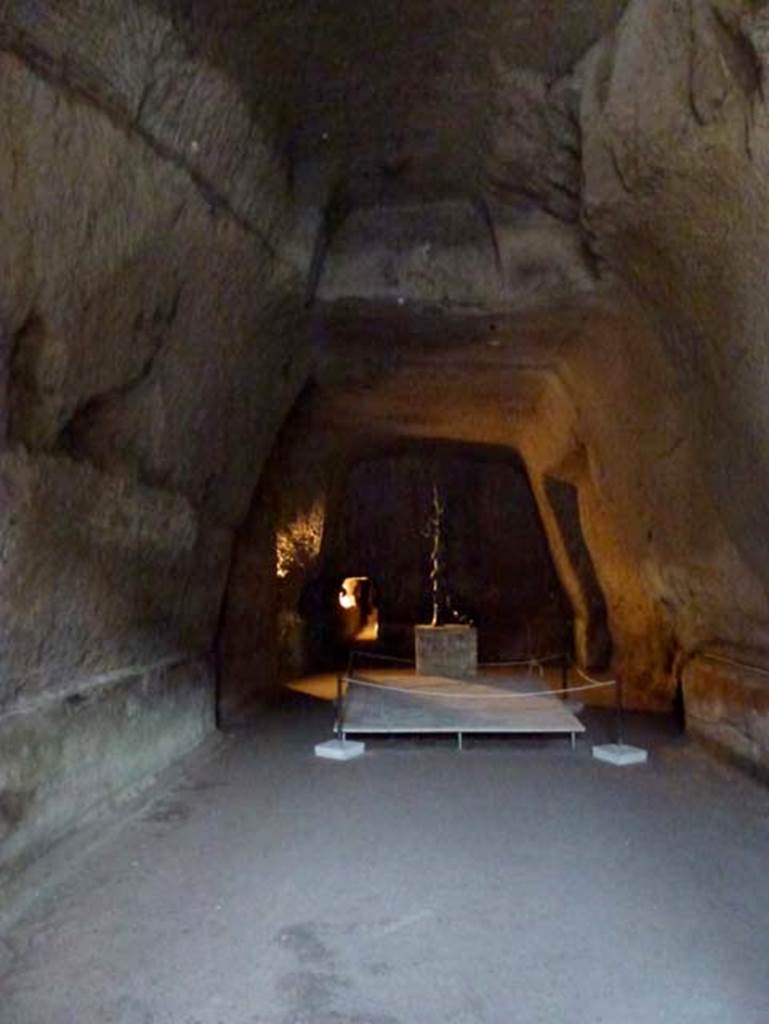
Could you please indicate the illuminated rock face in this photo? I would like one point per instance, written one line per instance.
(497, 568)
(541, 227)
(145, 305)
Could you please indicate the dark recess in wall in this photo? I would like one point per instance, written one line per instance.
(564, 500)
(498, 568)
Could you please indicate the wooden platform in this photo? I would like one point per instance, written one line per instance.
(404, 702)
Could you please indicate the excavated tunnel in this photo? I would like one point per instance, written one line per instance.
(272, 277)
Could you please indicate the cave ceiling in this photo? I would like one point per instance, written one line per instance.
(394, 98)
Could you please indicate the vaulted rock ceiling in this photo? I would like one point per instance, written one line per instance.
(395, 98)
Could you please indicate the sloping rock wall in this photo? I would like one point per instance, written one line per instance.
(675, 153)
(152, 341)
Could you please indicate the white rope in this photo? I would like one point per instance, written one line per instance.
(414, 692)
(533, 660)
(590, 679)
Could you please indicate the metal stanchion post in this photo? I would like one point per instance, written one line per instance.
(340, 748)
(620, 753)
(338, 730)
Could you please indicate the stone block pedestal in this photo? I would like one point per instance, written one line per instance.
(446, 651)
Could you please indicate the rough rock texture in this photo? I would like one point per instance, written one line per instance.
(404, 98)
(99, 574)
(579, 388)
(541, 227)
(727, 706)
(152, 341)
(114, 362)
(534, 146)
(535, 388)
(444, 253)
(263, 639)
(563, 499)
(65, 759)
(675, 148)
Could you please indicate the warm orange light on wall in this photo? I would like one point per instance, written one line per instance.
(347, 595)
(350, 597)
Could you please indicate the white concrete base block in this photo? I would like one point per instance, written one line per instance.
(340, 750)
(620, 754)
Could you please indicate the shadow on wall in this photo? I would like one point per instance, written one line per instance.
(564, 501)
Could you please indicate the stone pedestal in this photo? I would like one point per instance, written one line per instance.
(446, 651)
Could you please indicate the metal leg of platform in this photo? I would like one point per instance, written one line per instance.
(573, 741)
(459, 741)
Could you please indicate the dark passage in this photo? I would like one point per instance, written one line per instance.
(498, 570)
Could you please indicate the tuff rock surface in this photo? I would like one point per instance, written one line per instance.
(244, 248)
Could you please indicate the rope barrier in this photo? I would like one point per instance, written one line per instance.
(412, 691)
(566, 691)
(533, 660)
(590, 679)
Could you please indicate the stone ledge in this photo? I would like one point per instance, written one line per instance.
(727, 709)
(63, 765)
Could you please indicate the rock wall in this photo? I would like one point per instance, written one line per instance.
(585, 286)
(574, 370)
(263, 641)
(153, 340)
(726, 704)
(69, 757)
(612, 422)
(675, 144)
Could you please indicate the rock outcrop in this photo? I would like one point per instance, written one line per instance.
(153, 339)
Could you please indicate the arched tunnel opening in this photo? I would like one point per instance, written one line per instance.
(360, 612)
(498, 570)
(369, 583)
(390, 374)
